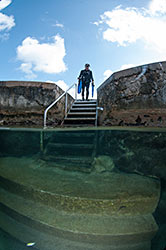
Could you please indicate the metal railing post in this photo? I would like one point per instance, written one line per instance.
(41, 141)
(98, 108)
(75, 91)
(66, 103)
(96, 117)
(52, 104)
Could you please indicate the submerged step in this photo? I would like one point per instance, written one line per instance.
(70, 137)
(115, 193)
(70, 162)
(68, 146)
(76, 211)
(68, 149)
(83, 160)
(92, 228)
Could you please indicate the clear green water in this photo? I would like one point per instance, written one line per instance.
(100, 151)
(9, 243)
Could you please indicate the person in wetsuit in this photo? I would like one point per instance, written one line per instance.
(87, 77)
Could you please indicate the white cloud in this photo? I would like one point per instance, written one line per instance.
(126, 26)
(27, 68)
(60, 25)
(43, 57)
(4, 36)
(127, 66)
(157, 7)
(4, 4)
(107, 73)
(98, 23)
(6, 22)
(64, 87)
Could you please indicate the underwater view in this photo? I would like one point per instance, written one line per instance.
(75, 189)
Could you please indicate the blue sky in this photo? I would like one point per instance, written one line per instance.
(52, 40)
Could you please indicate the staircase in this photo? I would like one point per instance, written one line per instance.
(81, 114)
(71, 150)
(75, 149)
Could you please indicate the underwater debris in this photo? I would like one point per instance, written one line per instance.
(103, 163)
(30, 244)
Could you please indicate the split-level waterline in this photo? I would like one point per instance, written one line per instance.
(84, 188)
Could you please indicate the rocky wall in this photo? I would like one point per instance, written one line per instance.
(23, 103)
(140, 151)
(134, 97)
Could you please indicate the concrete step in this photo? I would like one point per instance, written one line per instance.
(70, 146)
(81, 114)
(78, 210)
(71, 162)
(83, 109)
(78, 125)
(68, 149)
(74, 133)
(71, 137)
(113, 194)
(73, 159)
(85, 102)
(83, 119)
(79, 122)
(45, 240)
(107, 231)
(86, 105)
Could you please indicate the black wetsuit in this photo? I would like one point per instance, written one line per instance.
(86, 77)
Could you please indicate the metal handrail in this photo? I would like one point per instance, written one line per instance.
(52, 104)
(97, 108)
